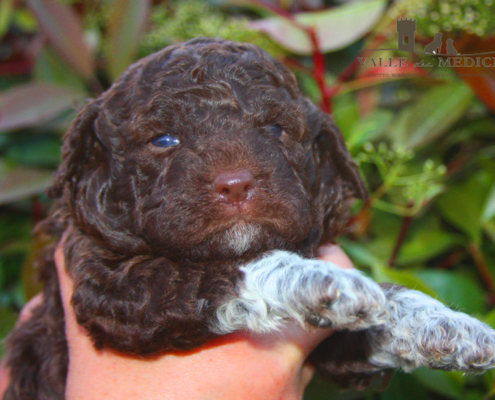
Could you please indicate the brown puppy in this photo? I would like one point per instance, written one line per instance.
(149, 234)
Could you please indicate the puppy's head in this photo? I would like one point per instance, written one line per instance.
(206, 150)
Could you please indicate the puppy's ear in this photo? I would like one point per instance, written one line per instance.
(333, 151)
(332, 144)
(80, 147)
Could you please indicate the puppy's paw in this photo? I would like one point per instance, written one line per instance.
(346, 299)
(457, 342)
(283, 286)
(424, 332)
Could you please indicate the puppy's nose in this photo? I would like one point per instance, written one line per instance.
(234, 186)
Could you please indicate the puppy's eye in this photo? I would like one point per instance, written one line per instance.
(165, 141)
(275, 130)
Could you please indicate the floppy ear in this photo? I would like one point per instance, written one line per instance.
(339, 177)
(80, 148)
(331, 141)
(332, 148)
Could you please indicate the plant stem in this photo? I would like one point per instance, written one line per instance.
(480, 263)
(319, 71)
(318, 59)
(37, 211)
(406, 222)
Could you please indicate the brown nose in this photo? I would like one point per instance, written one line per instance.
(234, 186)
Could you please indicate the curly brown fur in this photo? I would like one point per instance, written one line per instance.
(146, 236)
(37, 349)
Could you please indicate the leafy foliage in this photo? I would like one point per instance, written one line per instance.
(424, 142)
(471, 16)
(189, 19)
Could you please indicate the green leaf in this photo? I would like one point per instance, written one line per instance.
(489, 381)
(384, 224)
(489, 207)
(369, 128)
(489, 228)
(457, 289)
(335, 28)
(360, 255)
(404, 387)
(424, 245)
(6, 8)
(33, 103)
(463, 204)
(2, 272)
(309, 86)
(433, 114)
(404, 278)
(63, 28)
(25, 20)
(19, 182)
(127, 21)
(35, 150)
(490, 319)
(449, 384)
(51, 68)
(14, 227)
(345, 113)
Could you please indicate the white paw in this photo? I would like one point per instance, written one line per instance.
(283, 286)
(346, 299)
(424, 332)
(457, 342)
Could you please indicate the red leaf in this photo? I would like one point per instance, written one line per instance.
(335, 28)
(480, 79)
(63, 29)
(481, 83)
(33, 103)
(21, 182)
(127, 21)
(387, 72)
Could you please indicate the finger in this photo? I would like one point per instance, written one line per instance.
(65, 282)
(27, 310)
(293, 345)
(333, 253)
(4, 378)
(76, 335)
(265, 358)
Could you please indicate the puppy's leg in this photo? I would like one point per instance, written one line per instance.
(424, 332)
(283, 286)
(421, 332)
(344, 359)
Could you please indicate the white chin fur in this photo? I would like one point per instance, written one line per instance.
(239, 237)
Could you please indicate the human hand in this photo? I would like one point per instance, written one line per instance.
(240, 365)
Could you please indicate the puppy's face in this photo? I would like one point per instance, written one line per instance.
(206, 151)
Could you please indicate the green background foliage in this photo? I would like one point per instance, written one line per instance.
(424, 142)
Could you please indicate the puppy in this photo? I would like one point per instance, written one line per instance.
(191, 197)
